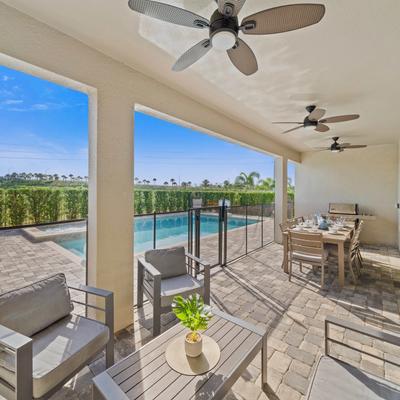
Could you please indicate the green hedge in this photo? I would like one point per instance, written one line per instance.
(40, 205)
(147, 200)
(33, 205)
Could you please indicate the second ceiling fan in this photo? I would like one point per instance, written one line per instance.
(314, 120)
(224, 27)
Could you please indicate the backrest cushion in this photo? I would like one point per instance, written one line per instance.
(32, 308)
(169, 262)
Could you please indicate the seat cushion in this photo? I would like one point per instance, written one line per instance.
(298, 256)
(180, 285)
(60, 350)
(32, 308)
(334, 379)
(169, 262)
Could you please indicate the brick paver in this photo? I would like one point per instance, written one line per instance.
(256, 289)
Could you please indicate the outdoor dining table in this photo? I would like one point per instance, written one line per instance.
(339, 239)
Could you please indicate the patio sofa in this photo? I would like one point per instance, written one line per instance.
(166, 273)
(42, 343)
(337, 379)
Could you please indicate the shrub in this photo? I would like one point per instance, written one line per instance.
(161, 201)
(54, 205)
(3, 208)
(72, 203)
(138, 200)
(84, 204)
(172, 200)
(17, 207)
(37, 200)
(148, 201)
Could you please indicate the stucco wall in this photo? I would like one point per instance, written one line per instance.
(366, 176)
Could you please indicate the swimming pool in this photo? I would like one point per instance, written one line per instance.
(170, 229)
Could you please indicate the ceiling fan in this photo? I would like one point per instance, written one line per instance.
(224, 27)
(336, 147)
(315, 121)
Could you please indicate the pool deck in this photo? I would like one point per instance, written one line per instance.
(255, 289)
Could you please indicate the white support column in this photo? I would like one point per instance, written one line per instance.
(281, 197)
(110, 241)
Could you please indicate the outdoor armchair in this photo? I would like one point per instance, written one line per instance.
(43, 344)
(166, 273)
(337, 379)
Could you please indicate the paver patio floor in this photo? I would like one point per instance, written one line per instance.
(256, 289)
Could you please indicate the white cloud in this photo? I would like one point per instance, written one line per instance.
(40, 106)
(11, 102)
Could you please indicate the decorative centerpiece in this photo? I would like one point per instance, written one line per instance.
(194, 315)
(324, 226)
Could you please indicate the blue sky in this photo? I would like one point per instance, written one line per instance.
(44, 128)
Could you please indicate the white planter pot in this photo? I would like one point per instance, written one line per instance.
(193, 349)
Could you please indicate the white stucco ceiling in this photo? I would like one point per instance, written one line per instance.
(348, 63)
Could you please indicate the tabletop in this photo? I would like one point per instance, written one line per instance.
(342, 234)
(146, 374)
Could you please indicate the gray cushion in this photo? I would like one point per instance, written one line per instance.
(32, 308)
(60, 350)
(335, 379)
(169, 262)
(183, 285)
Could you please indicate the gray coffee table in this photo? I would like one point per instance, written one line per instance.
(146, 375)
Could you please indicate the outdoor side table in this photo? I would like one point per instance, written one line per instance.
(145, 374)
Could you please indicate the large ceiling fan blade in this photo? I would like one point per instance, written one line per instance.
(293, 129)
(243, 58)
(339, 118)
(286, 122)
(166, 12)
(230, 8)
(353, 146)
(317, 114)
(192, 55)
(322, 128)
(283, 19)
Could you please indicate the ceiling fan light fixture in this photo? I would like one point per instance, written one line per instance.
(223, 40)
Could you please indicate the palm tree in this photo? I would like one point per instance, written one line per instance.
(172, 180)
(71, 177)
(189, 183)
(268, 184)
(64, 177)
(227, 183)
(166, 183)
(154, 181)
(247, 179)
(205, 183)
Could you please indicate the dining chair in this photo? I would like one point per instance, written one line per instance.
(307, 248)
(352, 260)
(357, 239)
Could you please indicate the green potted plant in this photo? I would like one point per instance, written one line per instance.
(194, 315)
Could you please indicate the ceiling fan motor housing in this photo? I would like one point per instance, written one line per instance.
(221, 23)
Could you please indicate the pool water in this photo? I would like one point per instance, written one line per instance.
(170, 230)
